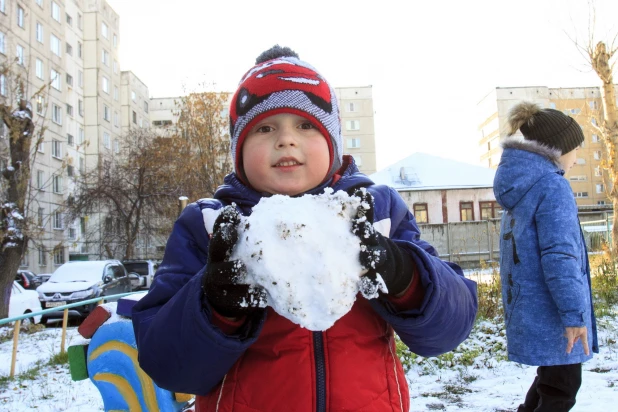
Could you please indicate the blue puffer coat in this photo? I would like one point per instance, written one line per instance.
(543, 259)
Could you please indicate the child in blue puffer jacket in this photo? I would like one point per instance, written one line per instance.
(543, 260)
(200, 330)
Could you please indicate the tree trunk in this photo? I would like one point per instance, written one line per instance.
(600, 60)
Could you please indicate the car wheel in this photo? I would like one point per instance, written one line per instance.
(27, 322)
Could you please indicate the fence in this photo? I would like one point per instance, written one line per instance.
(470, 243)
(65, 320)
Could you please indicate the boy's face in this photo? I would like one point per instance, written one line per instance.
(285, 154)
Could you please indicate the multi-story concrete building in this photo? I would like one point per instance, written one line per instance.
(357, 124)
(135, 102)
(582, 103)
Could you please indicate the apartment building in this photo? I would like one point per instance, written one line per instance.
(135, 102)
(69, 51)
(357, 122)
(582, 103)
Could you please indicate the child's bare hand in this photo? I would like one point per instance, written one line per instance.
(573, 335)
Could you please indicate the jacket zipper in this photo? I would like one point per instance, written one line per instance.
(320, 372)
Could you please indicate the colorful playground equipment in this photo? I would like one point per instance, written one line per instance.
(109, 359)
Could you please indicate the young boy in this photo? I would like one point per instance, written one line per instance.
(543, 260)
(200, 330)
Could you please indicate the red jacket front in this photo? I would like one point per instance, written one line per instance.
(352, 366)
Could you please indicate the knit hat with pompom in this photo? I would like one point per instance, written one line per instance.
(282, 83)
(549, 127)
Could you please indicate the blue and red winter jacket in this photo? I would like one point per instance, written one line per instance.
(271, 364)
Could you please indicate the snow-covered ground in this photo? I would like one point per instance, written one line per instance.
(491, 384)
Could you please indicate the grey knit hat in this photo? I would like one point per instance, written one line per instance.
(547, 126)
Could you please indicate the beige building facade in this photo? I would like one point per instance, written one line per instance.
(584, 104)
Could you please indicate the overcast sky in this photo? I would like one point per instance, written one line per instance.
(429, 62)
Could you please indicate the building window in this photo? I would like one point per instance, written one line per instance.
(104, 30)
(40, 104)
(59, 255)
(106, 140)
(69, 19)
(79, 50)
(39, 2)
(69, 80)
(72, 232)
(580, 194)
(56, 114)
(353, 143)
(116, 146)
(579, 178)
(69, 49)
(80, 78)
(593, 121)
(40, 180)
(24, 259)
(55, 45)
(70, 140)
(115, 67)
(57, 184)
(80, 107)
(489, 210)
(581, 161)
(57, 220)
(55, 78)
(40, 217)
(133, 96)
(3, 6)
(105, 57)
(601, 202)
(116, 93)
(134, 117)
(597, 155)
(421, 213)
(115, 41)
(3, 87)
(80, 136)
(82, 165)
(146, 106)
(116, 119)
(19, 54)
(597, 171)
(69, 110)
(600, 187)
(56, 148)
(595, 138)
(466, 211)
(39, 32)
(2, 49)
(593, 105)
(41, 147)
(350, 107)
(70, 171)
(39, 69)
(105, 84)
(55, 11)
(42, 257)
(80, 21)
(20, 17)
(106, 115)
(352, 125)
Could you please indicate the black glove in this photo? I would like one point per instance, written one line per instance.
(379, 254)
(222, 280)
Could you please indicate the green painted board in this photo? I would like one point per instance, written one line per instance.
(77, 362)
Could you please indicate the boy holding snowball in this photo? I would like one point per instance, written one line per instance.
(204, 329)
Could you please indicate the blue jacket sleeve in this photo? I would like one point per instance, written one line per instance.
(559, 237)
(447, 313)
(178, 346)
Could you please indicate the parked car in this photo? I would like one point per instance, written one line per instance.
(27, 279)
(44, 277)
(144, 268)
(80, 280)
(24, 301)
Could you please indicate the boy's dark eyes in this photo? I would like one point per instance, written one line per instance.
(307, 125)
(264, 129)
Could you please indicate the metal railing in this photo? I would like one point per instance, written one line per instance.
(65, 320)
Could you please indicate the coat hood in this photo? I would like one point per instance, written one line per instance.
(523, 164)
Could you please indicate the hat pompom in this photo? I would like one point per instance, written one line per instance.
(521, 114)
(275, 52)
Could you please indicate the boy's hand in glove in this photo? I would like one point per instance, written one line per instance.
(389, 270)
(222, 283)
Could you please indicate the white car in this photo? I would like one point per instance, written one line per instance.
(24, 301)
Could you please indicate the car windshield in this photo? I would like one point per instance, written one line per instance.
(141, 268)
(78, 272)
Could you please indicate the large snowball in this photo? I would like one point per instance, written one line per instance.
(302, 251)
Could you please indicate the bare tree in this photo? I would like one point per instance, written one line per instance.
(600, 55)
(16, 229)
(130, 193)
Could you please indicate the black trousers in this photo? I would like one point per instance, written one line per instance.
(554, 389)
